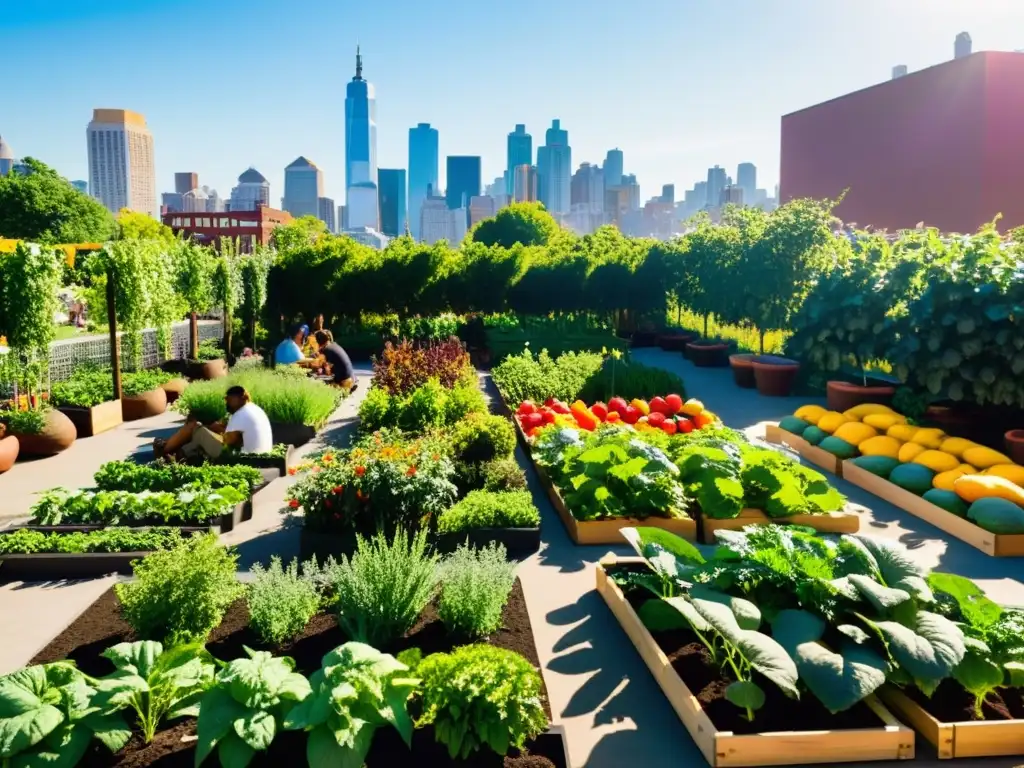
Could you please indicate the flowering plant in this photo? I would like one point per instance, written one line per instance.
(385, 481)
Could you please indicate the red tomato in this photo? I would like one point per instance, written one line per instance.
(548, 415)
(533, 420)
(631, 415)
(658, 405)
(559, 407)
(684, 425)
(669, 427)
(674, 403)
(549, 402)
(613, 417)
(655, 418)
(527, 407)
(617, 405)
(600, 410)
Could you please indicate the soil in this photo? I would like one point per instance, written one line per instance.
(102, 626)
(952, 704)
(692, 662)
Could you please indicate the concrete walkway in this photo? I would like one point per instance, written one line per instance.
(614, 713)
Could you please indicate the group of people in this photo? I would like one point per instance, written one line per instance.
(317, 351)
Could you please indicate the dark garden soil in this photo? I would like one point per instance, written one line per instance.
(952, 704)
(102, 626)
(692, 662)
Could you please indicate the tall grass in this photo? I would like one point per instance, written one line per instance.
(746, 337)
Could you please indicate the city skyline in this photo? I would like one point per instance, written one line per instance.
(671, 129)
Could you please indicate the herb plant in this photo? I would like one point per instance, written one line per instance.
(281, 601)
(503, 475)
(129, 476)
(85, 388)
(475, 585)
(524, 377)
(140, 382)
(24, 422)
(24, 541)
(192, 506)
(490, 509)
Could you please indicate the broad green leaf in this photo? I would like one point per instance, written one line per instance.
(1015, 672)
(688, 612)
(139, 657)
(110, 730)
(21, 691)
(254, 682)
(233, 752)
(928, 651)
(881, 597)
(748, 616)
(311, 712)
(978, 610)
(978, 675)
(396, 712)
(294, 687)
(894, 565)
(745, 694)
(27, 729)
(658, 616)
(256, 728)
(669, 555)
(63, 748)
(217, 713)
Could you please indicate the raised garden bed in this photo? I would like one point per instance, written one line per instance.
(994, 544)
(518, 542)
(95, 420)
(868, 731)
(151, 403)
(819, 457)
(943, 722)
(102, 626)
(834, 522)
(291, 434)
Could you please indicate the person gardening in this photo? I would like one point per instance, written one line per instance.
(247, 429)
(342, 373)
(289, 351)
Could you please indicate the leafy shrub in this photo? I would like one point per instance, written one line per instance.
(630, 380)
(482, 437)
(475, 585)
(462, 401)
(524, 377)
(504, 475)
(479, 695)
(426, 407)
(209, 349)
(375, 410)
(24, 541)
(489, 509)
(281, 602)
(87, 387)
(159, 476)
(383, 589)
(24, 422)
(180, 595)
(139, 382)
(406, 367)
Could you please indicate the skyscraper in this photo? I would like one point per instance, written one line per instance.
(746, 179)
(717, 181)
(554, 169)
(520, 152)
(463, 173)
(185, 182)
(668, 193)
(423, 169)
(121, 169)
(325, 212)
(360, 143)
(391, 191)
(630, 183)
(613, 168)
(6, 157)
(525, 182)
(82, 186)
(303, 188)
(962, 46)
(252, 192)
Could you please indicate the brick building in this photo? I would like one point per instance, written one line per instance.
(250, 227)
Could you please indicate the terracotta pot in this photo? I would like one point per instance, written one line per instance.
(58, 435)
(9, 448)
(642, 339)
(774, 376)
(842, 395)
(676, 342)
(207, 370)
(1015, 445)
(151, 403)
(743, 370)
(704, 355)
(174, 388)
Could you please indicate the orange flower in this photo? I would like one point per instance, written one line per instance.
(292, 470)
(411, 471)
(328, 458)
(436, 457)
(360, 471)
(293, 503)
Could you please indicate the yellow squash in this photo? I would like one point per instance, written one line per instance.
(1012, 472)
(858, 412)
(947, 480)
(882, 421)
(831, 421)
(929, 438)
(956, 446)
(970, 488)
(855, 433)
(902, 432)
(937, 461)
(810, 413)
(882, 445)
(983, 457)
(909, 452)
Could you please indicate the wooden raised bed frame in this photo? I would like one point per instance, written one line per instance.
(890, 741)
(835, 522)
(952, 740)
(817, 456)
(994, 544)
(95, 420)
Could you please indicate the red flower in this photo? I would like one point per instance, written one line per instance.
(292, 470)
(360, 471)
(293, 503)
(339, 489)
(328, 458)
(411, 471)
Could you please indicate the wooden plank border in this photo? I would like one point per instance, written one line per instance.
(773, 433)
(834, 522)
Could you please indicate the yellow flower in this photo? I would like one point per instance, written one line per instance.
(617, 353)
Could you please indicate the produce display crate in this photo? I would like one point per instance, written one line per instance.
(95, 420)
(817, 456)
(889, 741)
(994, 544)
(952, 740)
(834, 522)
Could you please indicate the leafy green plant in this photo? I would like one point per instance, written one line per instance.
(209, 349)
(630, 379)
(524, 377)
(281, 601)
(481, 696)
(475, 585)
(180, 595)
(483, 437)
(24, 422)
(87, 387)
(384, 587)
(24, 541)
(490, 509)
(154, 683)
(139, 382)
(245, 708)
(47, 717)
(191, 506)
(504, 475)
(129, 476)
(356, 691)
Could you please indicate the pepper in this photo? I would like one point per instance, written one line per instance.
(583, 416)
(641, 405)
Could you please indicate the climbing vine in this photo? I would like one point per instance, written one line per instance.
(194, 266)
(255, 269)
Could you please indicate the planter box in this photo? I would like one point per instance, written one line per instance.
(206, 370)
(951, 740)
(836, 522)
(93, 421)
(272, 467)
(291, 434)
(994, 544)
(815, 455)
(518, 542)
(144, 406)
(889, 741)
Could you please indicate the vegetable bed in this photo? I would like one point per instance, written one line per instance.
(94, 420)
(680, 665)
(817, 456)
(102, 625)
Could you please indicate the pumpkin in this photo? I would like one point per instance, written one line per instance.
(997, 515)
(858, 412)
(983, 457)
(813, 435)
(946, 480)
(947, 500)
(882, 445)
(1012, 472)
(970, 488)
(838, 447)
(882, 421)
(937, 461)
(915, 478)
(831, 421)
(956, 446)
(877, 465)
(855, 433)
(810, 413)
(794, 425)
(909, 452)
(929, 438)
(902, 432)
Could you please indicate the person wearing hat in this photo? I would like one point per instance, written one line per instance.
(289, 351)
(247, 429)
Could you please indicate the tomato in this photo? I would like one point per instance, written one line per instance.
(656, 419)
(534, 432)
(533, 420)
(685, 426)
(669, 427)
(631, 415)
(549, 402)
(559, 407)
(617, 405)
(548, 415)
(674, 403)
(658, 405)
(527, 407)
(600, 410)
(613, 417)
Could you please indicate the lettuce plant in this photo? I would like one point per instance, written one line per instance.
(246, 707)
(356, 691)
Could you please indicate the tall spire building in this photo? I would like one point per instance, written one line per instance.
(361, 151)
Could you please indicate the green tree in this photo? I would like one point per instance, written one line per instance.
(42, 207)
(194, 283)
(711, 255)
(255, 269)
(305, 230)
(133, 225)
(523, 223)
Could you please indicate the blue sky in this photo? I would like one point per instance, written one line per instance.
(678, 85)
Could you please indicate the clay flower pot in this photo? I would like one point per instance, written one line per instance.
(773, 375)
(842, 396)
(9, 448)
(676, 342)
(743, 370)
(174, 388)
(705, 354)
(58, 435)
(1015, 445)
(151, 403)
(207, 370)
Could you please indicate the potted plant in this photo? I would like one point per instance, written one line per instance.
(40, 430)
(8, 449)
(143, 394)
(86, 398)
(743, 370)
(1015, 445)
(208, 362)
(773, 375)
(174, 387)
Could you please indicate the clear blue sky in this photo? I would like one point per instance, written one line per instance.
(678, 85)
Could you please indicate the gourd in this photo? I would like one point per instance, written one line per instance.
(956, 446)
(855, 433)
(929, 438)
(882, 421)
(970, 488)
(1012, 472)
(877, 465)
(983, 457)
(838, 447)
(810, 413)
(831, 421)
(946, 480)
(915, 478)
(858, 412)
(813, 435)
(883, 445)
(902, 432)
(794, 425)
(910, 451)
(997, 515)
(947, 500)
(937, 461)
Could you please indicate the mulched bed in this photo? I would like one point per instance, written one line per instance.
(952, 704)
(692, 662)
(102, 626)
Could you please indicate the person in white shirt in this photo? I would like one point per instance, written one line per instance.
(247, 429)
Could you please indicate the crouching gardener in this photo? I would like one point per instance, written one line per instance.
(342, 373)
(247, 429)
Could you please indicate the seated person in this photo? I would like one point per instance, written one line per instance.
(289, 351)
(247, 429)
(342, 373)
